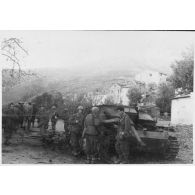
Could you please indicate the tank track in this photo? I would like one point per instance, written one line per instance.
(173, 148)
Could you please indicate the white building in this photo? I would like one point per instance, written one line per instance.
(182, 110)
(151, 77)
(117, 93)
(124, 99)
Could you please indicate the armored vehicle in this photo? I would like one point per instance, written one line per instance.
(160, 141)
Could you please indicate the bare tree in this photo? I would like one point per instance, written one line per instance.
(13, 70)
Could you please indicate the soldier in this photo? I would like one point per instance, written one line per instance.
(91, 133)
(43, 118)
(10, 123)
(21, 114)
(76, 122)
(28, 111)
(54, 118)
(34, 112)
(104, 139)
(124, 131)
(65, 117)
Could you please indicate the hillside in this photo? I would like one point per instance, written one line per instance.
(69, 82)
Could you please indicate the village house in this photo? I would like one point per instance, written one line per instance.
(182, 110)
(119, 88)
(118, 91)
(117, 94)
(148, 77)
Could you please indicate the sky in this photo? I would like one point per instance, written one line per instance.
(87, 51)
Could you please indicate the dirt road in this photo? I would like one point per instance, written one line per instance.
(31, 151)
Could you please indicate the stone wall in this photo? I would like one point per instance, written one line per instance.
(182, 110)
(185, 138)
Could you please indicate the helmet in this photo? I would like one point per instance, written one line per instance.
(95, 109)
(80, 108)
(11, 104)
(53, 107)
(42, 107)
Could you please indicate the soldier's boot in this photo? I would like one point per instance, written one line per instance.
(74, 151)
(120, 159)
(77, 148)
(103, 156)
(125, 161)
(125, 158)
(107, 159)
(88, 159)
(93, 159)
(97, 157)
(7, 142)
(78, 153)
(8, 137)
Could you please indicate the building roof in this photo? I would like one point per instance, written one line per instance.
(183, 96)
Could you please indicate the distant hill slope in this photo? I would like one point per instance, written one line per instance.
(70, 82)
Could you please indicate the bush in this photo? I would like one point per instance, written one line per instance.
(134, 95)
(183, 72)
(165, 94)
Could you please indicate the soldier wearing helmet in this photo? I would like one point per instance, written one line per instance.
(21, 114)
(76, 126)
(65, 117)
(90, 133)
(11, 118)
(28, 111)
(125, 130)
(54, 117)
(34, 113)
(43, 120)
(80, 108)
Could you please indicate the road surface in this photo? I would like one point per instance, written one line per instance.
(31, 151)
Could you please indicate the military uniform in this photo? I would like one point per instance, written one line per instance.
(104, 139)
(76, 122)
(54, 119)
(43, 118)
(28, 112)
(65, 117)
(21, 114)
(34, 112)
(124, 131)
(18, 113)
(91, 133)
(11, 118)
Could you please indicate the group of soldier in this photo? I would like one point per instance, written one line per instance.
(97, 135)
(22, 115)
(89, 129)
(92, 129)
(16, 116)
